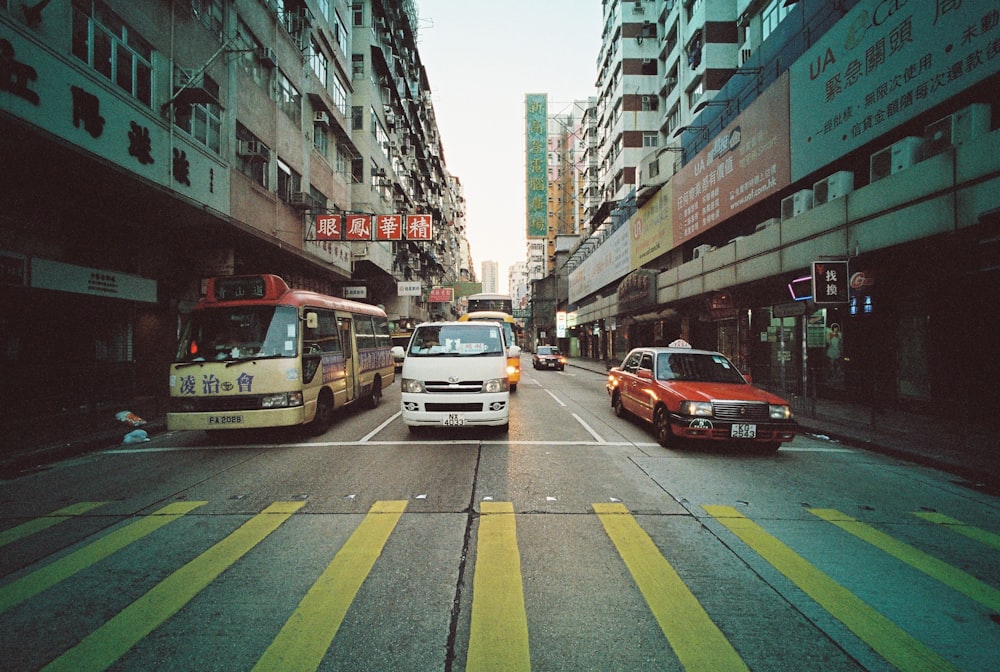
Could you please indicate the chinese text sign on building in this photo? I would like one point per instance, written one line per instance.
(536, 155)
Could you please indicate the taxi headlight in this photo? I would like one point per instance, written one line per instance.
(780, 412)
(699, 408)
(496, 385)
(413, 386)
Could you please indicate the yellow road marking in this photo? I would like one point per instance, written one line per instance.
(46, 521)
(498, 637)
(980, 535)
(954, 578)
(28, 586)
(111, 641)
(307, 634)
(695, 638)
(885, 637)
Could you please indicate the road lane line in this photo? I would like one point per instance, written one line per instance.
(28, 586)
(367, 437)
(933, 567)
(101, 648)
(694, 637)
(498, 637)
(309, 631)
(48, 520)
(558, 400)
(597, 437)
(980, 535)
(885, 637)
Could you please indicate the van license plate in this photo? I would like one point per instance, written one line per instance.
(454, 420)
(741, 431)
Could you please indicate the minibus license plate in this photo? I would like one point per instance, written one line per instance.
(454, 420)
(741, 431)
(229, 420)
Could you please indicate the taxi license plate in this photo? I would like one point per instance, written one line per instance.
(742, 431)
(454, 420)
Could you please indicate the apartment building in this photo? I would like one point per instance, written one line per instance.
(150, 144)
(824, 168)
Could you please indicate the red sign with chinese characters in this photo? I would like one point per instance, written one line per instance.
(358, 227)
(388, 227)
(328, 227)
(441, 295)
(418, 227)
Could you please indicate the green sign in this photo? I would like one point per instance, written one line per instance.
(536, 154)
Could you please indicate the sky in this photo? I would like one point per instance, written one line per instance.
(482, 57)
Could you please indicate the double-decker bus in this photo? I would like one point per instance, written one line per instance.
(255, 353)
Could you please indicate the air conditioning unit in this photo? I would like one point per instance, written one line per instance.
(321, 117)
(701, 251)
(251, 149)
(767, 223)
(898, 156)
(796, 204)
(956, 129)
(836, 185)
(300, 199)
(670, 82)
(268, 57)
(638, 7)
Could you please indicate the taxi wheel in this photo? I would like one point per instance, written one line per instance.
(513, 387)
(661, 427)
(616, 402)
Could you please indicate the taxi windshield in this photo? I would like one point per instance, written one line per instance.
(707, 368)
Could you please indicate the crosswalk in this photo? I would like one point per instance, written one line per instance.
(499, 629)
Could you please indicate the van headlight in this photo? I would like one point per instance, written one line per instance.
(413, 386)
(496, 385)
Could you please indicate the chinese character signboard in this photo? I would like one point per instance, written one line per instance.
(746, 163)
(882, 65)
(536, 155)
(830, 282)
(359, 227)
(408, 288)
(373, 227)
(418, 227)
(441, 295)
(388, 227)
(328, 227)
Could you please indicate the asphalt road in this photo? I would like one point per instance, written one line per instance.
(574, 542)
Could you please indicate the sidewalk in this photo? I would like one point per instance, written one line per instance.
(970, 451)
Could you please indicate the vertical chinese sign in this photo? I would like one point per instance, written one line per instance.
(536, 156)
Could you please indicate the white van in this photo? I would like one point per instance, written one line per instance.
(454, 375)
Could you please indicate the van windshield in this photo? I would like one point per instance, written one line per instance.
(454, 340)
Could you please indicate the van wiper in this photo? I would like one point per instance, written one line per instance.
(276, 355)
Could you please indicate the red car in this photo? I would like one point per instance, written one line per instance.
(548, 357)
(699, 395)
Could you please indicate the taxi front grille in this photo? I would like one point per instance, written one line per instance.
(740, 411)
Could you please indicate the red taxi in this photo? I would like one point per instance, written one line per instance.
(700, 395)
